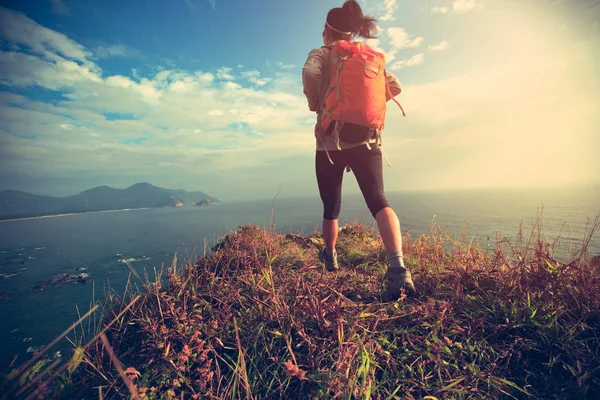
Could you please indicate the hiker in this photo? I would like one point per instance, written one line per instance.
(343, 142)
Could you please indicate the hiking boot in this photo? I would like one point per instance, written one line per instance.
(396, 280)
(330, 261)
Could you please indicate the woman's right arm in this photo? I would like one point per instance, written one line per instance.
(312, 73)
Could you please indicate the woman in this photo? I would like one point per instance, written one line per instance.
(333, 154)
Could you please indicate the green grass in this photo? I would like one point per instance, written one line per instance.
(259, 317)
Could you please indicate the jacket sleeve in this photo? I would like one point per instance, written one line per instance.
(311, 77)
(394, 85)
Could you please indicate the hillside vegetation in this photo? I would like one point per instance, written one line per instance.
(259, 317)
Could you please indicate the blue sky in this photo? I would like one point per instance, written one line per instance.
(206, 94)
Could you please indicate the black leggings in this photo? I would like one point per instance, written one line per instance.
(368, 170)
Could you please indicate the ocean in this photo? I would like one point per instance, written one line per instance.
(52, 267)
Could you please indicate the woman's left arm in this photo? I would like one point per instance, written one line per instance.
(394, 85)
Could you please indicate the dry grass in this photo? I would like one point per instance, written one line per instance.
(260, 318)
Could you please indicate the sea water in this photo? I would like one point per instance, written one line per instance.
(51, 269)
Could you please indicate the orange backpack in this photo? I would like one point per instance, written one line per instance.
(357, 88)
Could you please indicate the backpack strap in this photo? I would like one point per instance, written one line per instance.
(385, 155)
(389, 93)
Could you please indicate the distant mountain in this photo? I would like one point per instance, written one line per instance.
(16, 204)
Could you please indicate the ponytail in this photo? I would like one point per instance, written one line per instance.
(363, 25)
(367, 28)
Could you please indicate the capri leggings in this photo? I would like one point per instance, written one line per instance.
(368, 170)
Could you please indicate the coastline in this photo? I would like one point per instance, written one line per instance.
(76, 213)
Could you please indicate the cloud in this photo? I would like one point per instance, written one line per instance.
(224, 73)
(21, 30)
(414, 60)
(24, 70)
(236, 129)
(439, 10)
(118, 125)
(390, 8)
(254, 77)
(213, 4)
(476, 127)
(286, 66)
(216, 130)
(110, 51)
(463, 6)
(443, 45)
(59, 7)
(398, 38)
(119, 50)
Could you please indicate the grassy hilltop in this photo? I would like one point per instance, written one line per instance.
(260, 318)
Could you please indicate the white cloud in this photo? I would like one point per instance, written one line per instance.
(390, 8)
(110, 51)
(254, 77)
(414, 60)
(204, 76)
(439, 10)
(213, 4)
(25, 70)
(443, 45)
(286, 66)
(463, 6)
(119, 81)
(59, 7)
(224, 73)
(398, 38)
(231, 85)
(476, 127)
(23, 31)
(178, 126)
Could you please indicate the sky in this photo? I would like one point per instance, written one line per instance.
(207, 94)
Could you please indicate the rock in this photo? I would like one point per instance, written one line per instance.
(316, 242)
(11, 274)
(60, 279)
(82, 278)
(299, 240)
(34, 349)
(304, 242)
